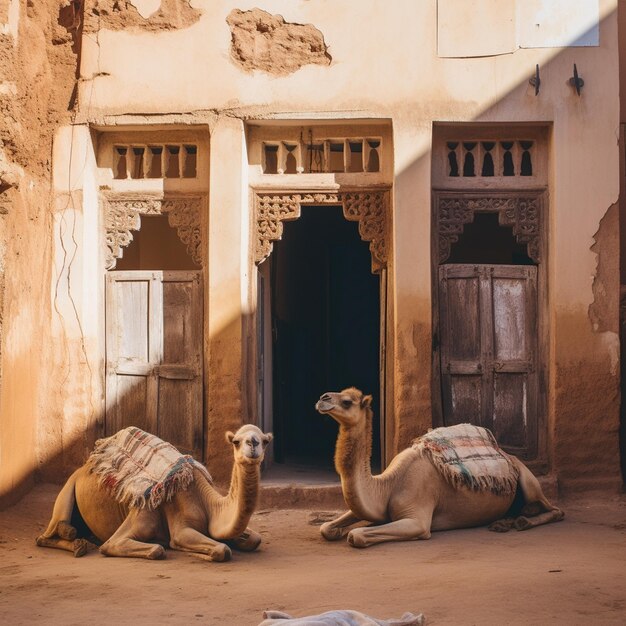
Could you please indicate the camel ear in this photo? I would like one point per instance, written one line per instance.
(267, 437)
(366, 402)
(230, 436)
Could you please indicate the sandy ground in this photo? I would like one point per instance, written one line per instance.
(573, 572)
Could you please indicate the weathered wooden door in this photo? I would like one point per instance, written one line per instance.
(154, 355)
(488, 328)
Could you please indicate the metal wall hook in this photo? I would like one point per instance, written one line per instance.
(535, 81)
(576, 81)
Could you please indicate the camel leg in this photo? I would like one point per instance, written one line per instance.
(60, 523)
(130, 539)
(337, 528)
(401, 530)
(189, 540)
(248, 541)
(533, 495)
(79, 547)
(525, 523)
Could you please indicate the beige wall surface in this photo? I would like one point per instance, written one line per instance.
(380, 62)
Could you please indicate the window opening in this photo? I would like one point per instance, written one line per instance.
(172, 168)
(356, 156)
(137, 162)
(336, 156)
(488, 168)
(508, 169)
(489, 159)
(190, 161)
(373, 159)
(317, 156)
(120, 166)
(155, 161)
(485, 241)
(468, 162)
(527, 164)
(452, 161)
(155, 246)
(271, 159)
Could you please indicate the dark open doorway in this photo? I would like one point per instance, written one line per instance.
(326, 327)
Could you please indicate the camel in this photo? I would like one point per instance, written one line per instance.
(411, 497)
(198, 519)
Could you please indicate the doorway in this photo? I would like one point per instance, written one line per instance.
(154, 328)
(488, 334)
(325, 320)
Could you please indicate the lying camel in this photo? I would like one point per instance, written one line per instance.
(198, 519)
(411, 497)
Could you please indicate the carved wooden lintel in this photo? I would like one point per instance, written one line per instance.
(521, 213)
(122, 215)
(368, 207)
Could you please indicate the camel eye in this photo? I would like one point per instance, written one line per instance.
(346, 404)
(236, 442)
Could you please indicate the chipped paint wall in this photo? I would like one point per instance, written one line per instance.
(38, 54)
(220, 63)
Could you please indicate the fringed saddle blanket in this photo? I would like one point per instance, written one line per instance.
(141, 470)
(469, 456)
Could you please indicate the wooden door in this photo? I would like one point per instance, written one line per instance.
(488, 351)
(154, 355)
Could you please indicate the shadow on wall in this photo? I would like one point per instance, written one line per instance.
(58, 460)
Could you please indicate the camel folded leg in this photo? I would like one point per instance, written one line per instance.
(131, 538)
(60, 522)
(401, 530)
(189, 540)
(248, 541)
(79, 547)
(525, 523)
(537, 510)
(337, 528)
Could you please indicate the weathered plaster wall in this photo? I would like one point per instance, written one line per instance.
(261, 41)
(177, 64)
(421, 88)
(35, 50)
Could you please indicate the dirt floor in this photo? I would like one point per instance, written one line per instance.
(573, 572)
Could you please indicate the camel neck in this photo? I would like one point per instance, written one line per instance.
(364, 493)
(229, 515)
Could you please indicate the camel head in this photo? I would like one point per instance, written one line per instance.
(348, 407)
(249, 443)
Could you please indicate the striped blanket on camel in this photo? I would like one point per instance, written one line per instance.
(469, 456)
(141, 470)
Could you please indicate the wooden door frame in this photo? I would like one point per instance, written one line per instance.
(526, 212)
(159, 370)
(188, 213)
(370, 206)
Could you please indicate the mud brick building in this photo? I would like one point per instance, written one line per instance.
(214, 211)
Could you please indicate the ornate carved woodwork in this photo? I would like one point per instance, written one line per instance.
(370, 208)
(521, 213)
(122, 215)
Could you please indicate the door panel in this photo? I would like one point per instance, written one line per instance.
(488, 350)
(154, 348)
